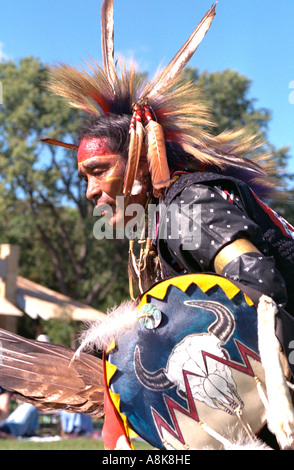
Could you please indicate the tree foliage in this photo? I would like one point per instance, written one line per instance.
(42, 201)
(227, 94)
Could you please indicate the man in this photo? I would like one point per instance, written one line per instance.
(232, 241)
(4, 404)
(142, 135)
(23, 421)
(150, 144)
(238, 236)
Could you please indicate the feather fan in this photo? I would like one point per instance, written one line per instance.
(45, 375)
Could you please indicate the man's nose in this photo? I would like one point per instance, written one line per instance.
(94, 191)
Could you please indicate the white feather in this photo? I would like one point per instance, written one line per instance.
(100, 334)
(280, 412)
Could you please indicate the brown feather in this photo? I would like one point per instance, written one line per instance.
(59, 143)
(82, 90)
(156, 155)
(45, 375)
(164, 79)
(136, 141)
(107, 35)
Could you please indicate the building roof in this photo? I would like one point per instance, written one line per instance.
(7, 308)
(38, 301)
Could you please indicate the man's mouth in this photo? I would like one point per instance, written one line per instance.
(105, 209)
(112, 210)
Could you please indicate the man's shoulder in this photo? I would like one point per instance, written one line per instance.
(198, 182)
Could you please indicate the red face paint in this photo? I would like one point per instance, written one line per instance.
(104, 172)
(93, 147)
(103, 169)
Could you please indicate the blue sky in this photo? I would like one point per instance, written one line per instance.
(254, 37)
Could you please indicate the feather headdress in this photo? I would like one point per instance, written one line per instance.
(162, 110)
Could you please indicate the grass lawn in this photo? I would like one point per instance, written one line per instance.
(64, 444)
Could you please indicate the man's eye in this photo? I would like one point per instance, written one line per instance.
(98, 173)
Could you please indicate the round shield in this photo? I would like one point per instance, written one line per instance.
(189, 371)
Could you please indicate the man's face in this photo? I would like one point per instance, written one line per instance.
(104, 173)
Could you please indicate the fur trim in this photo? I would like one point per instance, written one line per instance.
(100, 334)
(241, 441)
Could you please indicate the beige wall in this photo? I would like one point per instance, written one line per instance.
(10, 255)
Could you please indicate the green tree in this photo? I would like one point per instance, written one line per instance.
(227, 94)
(42, 199)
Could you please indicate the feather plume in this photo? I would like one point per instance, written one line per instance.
(136, 141)
(90, 90)
(90, 93)
(156, 155)
(164, 79)
(43, 374)
(107, 35)
(100, 334)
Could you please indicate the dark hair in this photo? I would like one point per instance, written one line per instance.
(116, 128)
(113, 126)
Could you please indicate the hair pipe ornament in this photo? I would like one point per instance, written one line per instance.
(136, 131)
(143, 124)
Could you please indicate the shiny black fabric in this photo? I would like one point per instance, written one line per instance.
(258, 272)
(221, 220)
